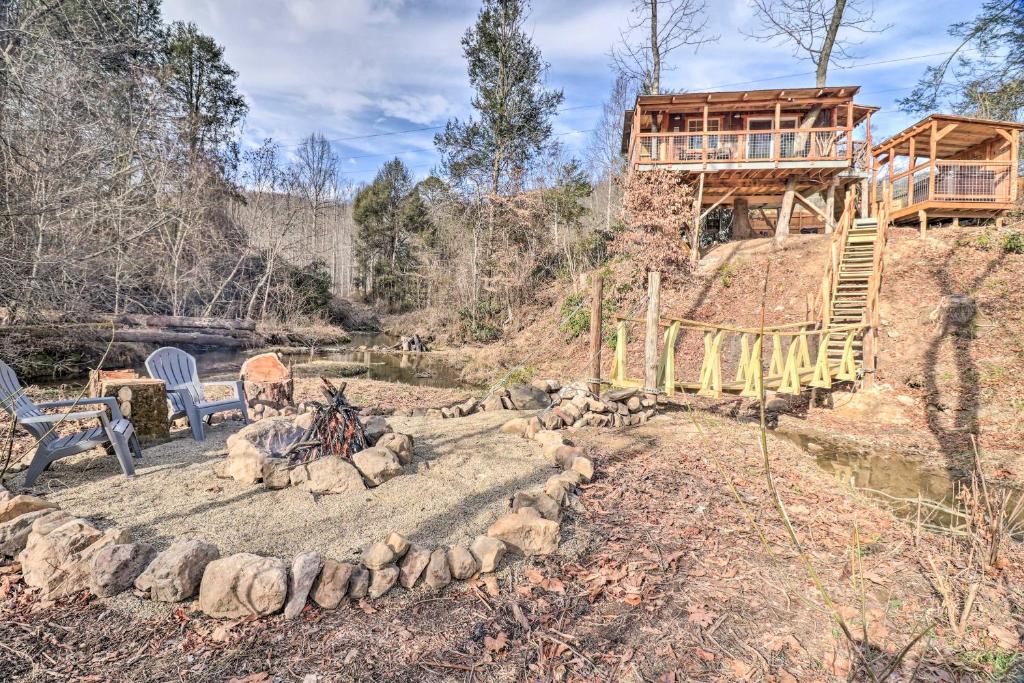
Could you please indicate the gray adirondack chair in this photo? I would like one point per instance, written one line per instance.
(116, 431)
(185, 390)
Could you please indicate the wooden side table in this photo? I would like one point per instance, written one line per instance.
(143, 401)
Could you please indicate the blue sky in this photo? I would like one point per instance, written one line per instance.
(357, 68)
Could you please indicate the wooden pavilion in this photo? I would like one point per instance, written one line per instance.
(756, 148)
(947, 166)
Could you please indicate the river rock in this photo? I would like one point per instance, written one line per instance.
(330, 587)
(175, 573)
(618, 395)
(276, 473)
(526, 532)
(398, 543)
(377, 465)
(461, 562)
(378, 556)
(415, 561)
(23, 504)
(564, 455)
(14, 533)
(381, 581)
(546, 437)
(243, 585)
(552, 420)
(115, 567)
(528, 398)
(399, 444)
(584, 466)
(305, 568)
(516, 425)
(533, 427)
(493, 402)
(375, 427)
(330, 474)
(244, 462)
(359, 583)
(544, 504)
(488, 552)
(438, 575)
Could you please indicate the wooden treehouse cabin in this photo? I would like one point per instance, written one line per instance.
(770, 150)
(947, 167)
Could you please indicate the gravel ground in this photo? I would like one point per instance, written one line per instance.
(463, 475)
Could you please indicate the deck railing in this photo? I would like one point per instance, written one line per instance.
(805, 144)
(955, 181)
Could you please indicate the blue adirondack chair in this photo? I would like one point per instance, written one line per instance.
(115, 430)
(185, 390)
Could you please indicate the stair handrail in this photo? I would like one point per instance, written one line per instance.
(822, 307)
(872, 308)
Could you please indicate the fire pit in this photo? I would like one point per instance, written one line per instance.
(328, 449)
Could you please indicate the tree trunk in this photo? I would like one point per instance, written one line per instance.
(655, 51)
(785, 212)
(830, 208)
(741, 219)
(698, 201)
(828, 43)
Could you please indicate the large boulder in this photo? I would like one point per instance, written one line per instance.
(331, 585)
(14, 533)
(525, 533)
(115, 567)
(272, 436)
(525, 397)
(399, 444)
(175, 573)
(305, 568)
(488, 552)
(412, 566)
(516, 425)
(59, 563)
(243, 585)
(244, 463)
(375, 427)
(377, 465)
(461, 563)
(330, 474)
(17, 506)
(381, 581)
(438, 575)
(543, 503)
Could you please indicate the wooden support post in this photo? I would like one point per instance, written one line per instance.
(922, 219)
(596, 300)
(698, 201)
(933, 148)
(741, 219)
(785, 212)
(651, 335)
(830, 207)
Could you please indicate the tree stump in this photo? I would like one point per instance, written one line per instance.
(954, 310)
(268, 382)
(143, 401)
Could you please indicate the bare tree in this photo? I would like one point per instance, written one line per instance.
(818, 30)
(604, 151)
(657, 28)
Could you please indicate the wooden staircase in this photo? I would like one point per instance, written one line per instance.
(852, 284)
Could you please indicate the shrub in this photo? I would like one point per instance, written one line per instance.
(1013, 243)
(574, 317)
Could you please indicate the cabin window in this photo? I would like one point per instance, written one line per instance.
(759, 145)
(696, 126)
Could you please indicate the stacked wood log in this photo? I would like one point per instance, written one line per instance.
(142, 400)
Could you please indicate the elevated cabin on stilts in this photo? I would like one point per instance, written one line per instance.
(786, 153)
(947, 167)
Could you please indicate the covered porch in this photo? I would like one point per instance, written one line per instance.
(947, 167)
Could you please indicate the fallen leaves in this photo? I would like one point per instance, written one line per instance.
(497, 643)
(701, 616)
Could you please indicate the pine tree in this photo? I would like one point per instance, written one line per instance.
(494, 149)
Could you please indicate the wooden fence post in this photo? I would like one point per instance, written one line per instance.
(596, 300)
(651, 337)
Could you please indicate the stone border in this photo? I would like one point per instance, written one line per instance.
(63, 555)
(567, 406)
